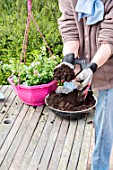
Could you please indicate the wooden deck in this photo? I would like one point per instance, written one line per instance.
(34, 138)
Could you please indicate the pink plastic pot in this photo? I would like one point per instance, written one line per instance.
(33, 95)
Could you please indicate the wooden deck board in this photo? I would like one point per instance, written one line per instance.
(38, 153)
(26, 140)
(12, 113)
(50, 145)
(17, 140)
(7, 104)
(85, 149)
(6, 90)
(12, 133)
(37, 139)
(34, 141)
(57, 151)
(67, 146)
(75, 154)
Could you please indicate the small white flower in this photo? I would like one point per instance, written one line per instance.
(37, 63)
(25, 83)
(53, 57)
(32, 64)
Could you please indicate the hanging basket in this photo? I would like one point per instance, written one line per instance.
(32, 95)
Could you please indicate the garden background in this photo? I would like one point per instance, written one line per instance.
(13, 17)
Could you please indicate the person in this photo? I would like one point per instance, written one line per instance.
(2, 97)
(86, 28)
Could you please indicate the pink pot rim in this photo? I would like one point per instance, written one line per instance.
(32, 87)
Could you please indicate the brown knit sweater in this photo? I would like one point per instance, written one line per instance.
(90, 38)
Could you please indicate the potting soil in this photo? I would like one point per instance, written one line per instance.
(73, 101)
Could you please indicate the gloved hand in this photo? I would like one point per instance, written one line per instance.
(67, 60)
(84, 78)
(65, 70)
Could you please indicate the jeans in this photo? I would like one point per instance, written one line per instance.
(103, 130)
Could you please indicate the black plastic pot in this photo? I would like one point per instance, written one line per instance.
(71, 114)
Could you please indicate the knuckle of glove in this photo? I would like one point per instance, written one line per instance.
(84, 74)
(86, 77)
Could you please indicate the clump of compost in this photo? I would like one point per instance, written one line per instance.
(64, 72)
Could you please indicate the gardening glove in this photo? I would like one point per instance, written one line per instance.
(84, 78)
(60, 73)
(68, 60)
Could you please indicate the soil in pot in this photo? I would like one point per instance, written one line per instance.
(73, 101)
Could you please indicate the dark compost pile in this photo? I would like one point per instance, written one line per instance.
(73, 101)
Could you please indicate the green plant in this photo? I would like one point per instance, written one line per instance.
(13, 22)
(40, 71)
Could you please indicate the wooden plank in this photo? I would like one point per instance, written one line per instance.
(83, 160)
(67, 146)
(26, 139)
(91, 149)
(18, 138)
(59, 145)
(6, 90)
(12, 133)
(34, 141)
(42, 142)
(74, 157)
(50, 145)
(3, 89)
(13, 113)
(6, 105)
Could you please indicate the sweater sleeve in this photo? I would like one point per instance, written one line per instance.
(67, 24)
(106, 26)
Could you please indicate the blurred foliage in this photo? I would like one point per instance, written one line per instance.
(13, 17)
